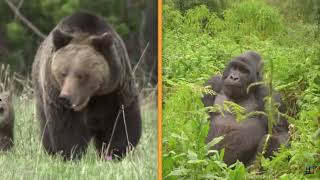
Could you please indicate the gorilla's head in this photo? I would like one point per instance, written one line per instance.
(240, 73)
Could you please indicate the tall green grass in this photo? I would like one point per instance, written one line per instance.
(28, 160)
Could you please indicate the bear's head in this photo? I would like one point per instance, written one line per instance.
(79, 69)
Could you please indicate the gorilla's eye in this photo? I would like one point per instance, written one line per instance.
(242, 69)
(245, 70)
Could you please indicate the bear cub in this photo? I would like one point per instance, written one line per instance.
(6, 121)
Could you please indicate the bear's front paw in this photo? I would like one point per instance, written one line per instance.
(108, 157)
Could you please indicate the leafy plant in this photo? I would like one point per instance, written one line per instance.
(197, 43)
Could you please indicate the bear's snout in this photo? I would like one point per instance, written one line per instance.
(65, 100)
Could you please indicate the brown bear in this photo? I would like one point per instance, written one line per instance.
(6, 121)
(82, 78)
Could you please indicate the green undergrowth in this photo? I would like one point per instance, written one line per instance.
(197, 43)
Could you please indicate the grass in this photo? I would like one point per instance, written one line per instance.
(28, 160)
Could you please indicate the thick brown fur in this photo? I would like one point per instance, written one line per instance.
(242, 141)
(82, 76)
(6, 121)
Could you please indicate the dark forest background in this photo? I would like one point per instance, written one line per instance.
(134, 20)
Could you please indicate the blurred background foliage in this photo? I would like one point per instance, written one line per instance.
(134, 20)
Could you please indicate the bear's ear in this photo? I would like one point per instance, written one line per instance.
(103, 41)
(60, 39)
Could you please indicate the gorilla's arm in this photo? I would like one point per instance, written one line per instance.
(280, 129)
(215, 84)
(282, 125)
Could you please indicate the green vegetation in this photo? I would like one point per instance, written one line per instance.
(29, 161)
(199, 38)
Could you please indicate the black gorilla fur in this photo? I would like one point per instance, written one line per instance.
(242, 141)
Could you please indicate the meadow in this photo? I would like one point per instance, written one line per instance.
(198, 40)
(28, 160)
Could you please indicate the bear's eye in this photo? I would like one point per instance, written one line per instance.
(83, 76)
(63, 74)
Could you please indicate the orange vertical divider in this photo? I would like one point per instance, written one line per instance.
(159, 89)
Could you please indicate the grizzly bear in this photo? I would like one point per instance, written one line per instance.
(85, 89)
(6, 121)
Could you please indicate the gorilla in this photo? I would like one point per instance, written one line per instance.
(242, 141)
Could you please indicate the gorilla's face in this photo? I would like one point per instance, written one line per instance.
(236, 80)
(240, 73)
